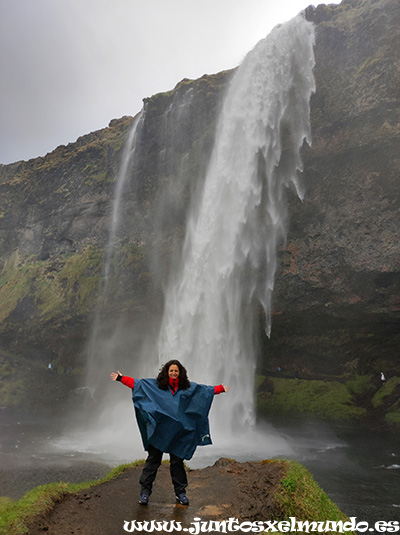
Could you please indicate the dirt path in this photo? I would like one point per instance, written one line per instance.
(226, 489)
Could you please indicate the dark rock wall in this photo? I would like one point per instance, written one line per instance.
(337, 299)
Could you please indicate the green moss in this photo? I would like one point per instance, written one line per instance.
(14, 286)
(393, 417)
(95, 172)
(381, 397)
(16, 516)
(52, 288)
(367, 63)
(360, 385)
(329, 400)
(81, 275)
(50, 298)
(302, 498)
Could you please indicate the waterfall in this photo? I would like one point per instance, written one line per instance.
(114, 337)
(97, 348)
(127, 160)
(238, 218)
(230, 251)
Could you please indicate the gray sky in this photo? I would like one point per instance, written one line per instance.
(70, 66)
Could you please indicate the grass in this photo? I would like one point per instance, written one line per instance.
(323, 399)
(300, 497)
(15, 516)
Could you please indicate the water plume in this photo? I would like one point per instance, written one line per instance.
(225, 276)
(230, 252)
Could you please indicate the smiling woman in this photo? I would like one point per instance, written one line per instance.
(172, 415)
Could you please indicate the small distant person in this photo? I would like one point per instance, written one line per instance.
(172, 415)
(383, 379)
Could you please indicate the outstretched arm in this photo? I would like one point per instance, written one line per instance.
(220, 388)
(124, 379)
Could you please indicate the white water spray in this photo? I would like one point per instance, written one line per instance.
(127, 159)
(96, 350)
(229, 256)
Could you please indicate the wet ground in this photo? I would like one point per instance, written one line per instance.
(226, 489)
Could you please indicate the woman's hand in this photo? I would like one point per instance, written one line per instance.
(114, 376)
(226, 388)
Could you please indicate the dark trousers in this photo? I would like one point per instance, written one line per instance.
(153, 461)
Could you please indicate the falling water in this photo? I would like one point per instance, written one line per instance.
(230, 251)
(114, 336)
(94, 346)
(229, 256)
(127, 158)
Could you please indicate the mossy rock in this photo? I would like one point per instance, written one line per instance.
(393, 418)
(323, 399)
(361, 385)
(388, 394)
(50, 289)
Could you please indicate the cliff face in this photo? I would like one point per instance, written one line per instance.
(336, 301)
(338, 286)
(53, 225)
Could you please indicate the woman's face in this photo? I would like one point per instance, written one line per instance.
(173, 371)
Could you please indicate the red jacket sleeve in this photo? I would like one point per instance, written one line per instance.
(219, 389)
(128, 381)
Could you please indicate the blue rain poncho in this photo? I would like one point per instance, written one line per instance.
(174, 423)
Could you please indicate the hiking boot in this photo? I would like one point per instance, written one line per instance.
(144, 499)
(182, 499)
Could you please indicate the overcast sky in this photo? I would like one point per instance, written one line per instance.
(67, 67)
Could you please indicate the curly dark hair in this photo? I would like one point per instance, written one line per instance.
(163, 378)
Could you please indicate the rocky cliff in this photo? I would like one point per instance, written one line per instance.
(338, 286)
(336, 301)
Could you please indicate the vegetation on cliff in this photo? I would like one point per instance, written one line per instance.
(350, 398)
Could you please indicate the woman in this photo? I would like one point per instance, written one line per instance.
(172, 414)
